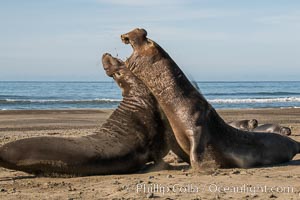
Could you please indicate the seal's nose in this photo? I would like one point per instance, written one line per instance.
(110, 64)
(125, 38)
(105, 55)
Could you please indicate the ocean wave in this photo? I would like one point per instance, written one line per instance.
(68, 101)
(252, 93)
(107, 100)
(254, 100)
(11, 96)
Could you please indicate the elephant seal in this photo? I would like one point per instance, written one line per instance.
(133, 135)
(245, 125)
(198, 128)
(114, 67)
(273, 128)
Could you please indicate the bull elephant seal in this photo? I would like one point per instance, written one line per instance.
(132, 136)
(244, 125)
(198, 128)
(114, 67)
(273, 128)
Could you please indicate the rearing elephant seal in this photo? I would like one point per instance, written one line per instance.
(198, 128)
(273, 128)
(133, 135)
(167, 140)
(244, 125)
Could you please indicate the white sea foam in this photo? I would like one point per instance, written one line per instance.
(255, 100)
(58, 100)
(216, 101)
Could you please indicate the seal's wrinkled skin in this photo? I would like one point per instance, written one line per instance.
(198, 128)
(244, 125)
(274, 128)
(133, 135)
(133, 87)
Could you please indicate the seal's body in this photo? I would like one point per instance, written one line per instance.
(198, 128)
(273, 128)
(133, 135)
(244, 125)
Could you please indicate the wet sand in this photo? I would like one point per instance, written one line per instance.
(180, 182)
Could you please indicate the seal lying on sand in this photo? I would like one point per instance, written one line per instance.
(198, 128)
(132, 136)
(245, 125)
(273, 128)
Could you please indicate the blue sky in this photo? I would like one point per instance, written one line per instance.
(211, 40)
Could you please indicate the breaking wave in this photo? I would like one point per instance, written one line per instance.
(255, 100)
(253, 94)
(49, 101)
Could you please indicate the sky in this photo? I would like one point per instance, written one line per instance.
(211, 40)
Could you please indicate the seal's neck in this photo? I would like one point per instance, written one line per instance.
(166, 81)
(128, 116)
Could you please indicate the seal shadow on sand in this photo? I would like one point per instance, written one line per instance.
(151, 167)
(290, 163)
(13, 178)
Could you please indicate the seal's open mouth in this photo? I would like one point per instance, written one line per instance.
(125, 39)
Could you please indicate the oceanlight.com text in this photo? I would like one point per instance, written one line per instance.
(213, 188)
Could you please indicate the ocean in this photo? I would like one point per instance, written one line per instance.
(80, 95)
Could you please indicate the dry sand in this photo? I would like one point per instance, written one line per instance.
(274, 182)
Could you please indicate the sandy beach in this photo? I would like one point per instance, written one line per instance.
(178, 182)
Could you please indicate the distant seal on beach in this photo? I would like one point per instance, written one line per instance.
(198, 128)
(133, 135)
(273, 128)
(244, 125)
